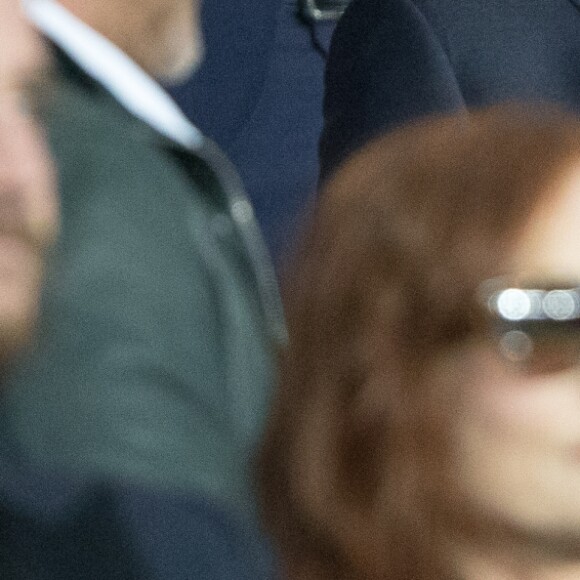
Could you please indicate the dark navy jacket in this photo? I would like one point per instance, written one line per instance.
(53, 528)
(392, 61)
(259, 95)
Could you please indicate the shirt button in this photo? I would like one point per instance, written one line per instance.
(242, 211)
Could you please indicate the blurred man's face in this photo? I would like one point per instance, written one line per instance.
(21, 51)
(28, 206)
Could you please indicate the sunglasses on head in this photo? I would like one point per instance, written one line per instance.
(537, 328)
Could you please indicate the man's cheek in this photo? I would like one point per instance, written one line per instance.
(20, 281)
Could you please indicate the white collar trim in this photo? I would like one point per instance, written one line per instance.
(120, 75)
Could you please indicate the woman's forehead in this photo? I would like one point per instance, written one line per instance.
(549, 248)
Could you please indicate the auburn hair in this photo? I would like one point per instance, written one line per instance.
(402, 236)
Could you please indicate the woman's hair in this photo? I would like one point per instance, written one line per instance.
(404, 233)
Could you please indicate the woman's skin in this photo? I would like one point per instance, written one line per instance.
(518, 434)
